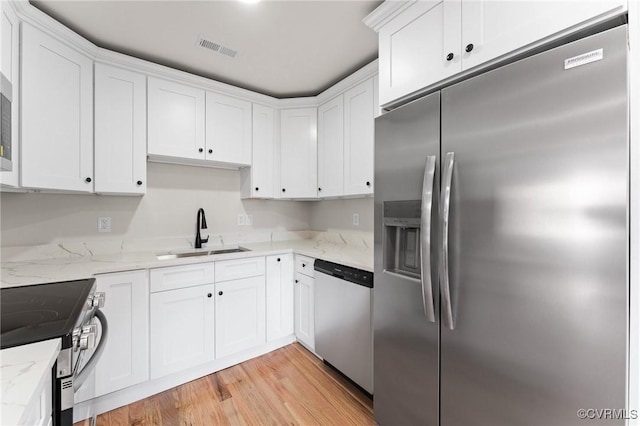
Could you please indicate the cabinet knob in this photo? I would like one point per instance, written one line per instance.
(139, 182)
(303, 265)
(88, 180)
(278, 259)
(220, 293)
(200, 149)
(284, 190)
(209, 294)
(297, 281)
(469, 47)
(210, 151)
(257, 189)
(319, 189)
(368, 183)
(450, 57)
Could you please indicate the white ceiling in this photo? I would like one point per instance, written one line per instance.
(285, 48)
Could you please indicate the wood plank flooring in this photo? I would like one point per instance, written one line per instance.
(289, 386)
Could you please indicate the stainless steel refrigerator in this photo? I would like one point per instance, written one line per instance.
(501, 244)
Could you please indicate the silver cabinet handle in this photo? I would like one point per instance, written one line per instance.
(425, 237)
(445, 289)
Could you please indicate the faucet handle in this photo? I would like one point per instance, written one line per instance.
(204, 240)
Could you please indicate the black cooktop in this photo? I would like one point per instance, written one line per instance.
(39, 312)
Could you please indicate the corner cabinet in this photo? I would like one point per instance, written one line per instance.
(120, 131)
(258, 181)
(176, 120)
(57, 114)
(279, 294)
(298, 153)
(228, 134)
(304, 313)
(424, 42)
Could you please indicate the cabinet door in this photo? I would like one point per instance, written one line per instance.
(331, 148)
(298, 153)
(279, 283)
(262, 172)
(358, 139)
(176, 118)
(228, 129)
(240, 315)
(495, 28)
(125, 360)
(120, 131)
(182, 327)
(57, 114)
(414, 46)
(304, 315)
(9, 66)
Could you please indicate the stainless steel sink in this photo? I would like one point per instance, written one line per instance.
(169, 256)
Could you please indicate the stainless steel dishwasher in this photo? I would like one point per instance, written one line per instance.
(343, 336)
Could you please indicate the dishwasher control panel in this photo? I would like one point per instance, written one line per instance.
(356, 276)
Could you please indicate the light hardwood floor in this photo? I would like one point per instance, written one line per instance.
(287, 386)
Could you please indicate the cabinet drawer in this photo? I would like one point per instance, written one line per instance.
(174, 277)
(239, 268)
(304, 265)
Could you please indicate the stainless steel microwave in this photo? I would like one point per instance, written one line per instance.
(6, 96)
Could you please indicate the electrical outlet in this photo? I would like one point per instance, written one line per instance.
(248, 220)
(104, 224)
(356, 219)
(240, 219)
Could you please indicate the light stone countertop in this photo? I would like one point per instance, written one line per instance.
(47, 264)
(25, 370)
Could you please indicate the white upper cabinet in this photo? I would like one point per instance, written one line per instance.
(414, 48)
(228, 130)
(298, 153)
(176, 120)
(359, 139)
(9, 66)
(120, 131)
(258, 181)
(331, 148)
(57, 114)
(493, 28)
(425, 42)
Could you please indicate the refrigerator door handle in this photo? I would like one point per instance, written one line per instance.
(445, 289)
(425, 238)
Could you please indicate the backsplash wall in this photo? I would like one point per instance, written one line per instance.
(338, 215)
(174, 194)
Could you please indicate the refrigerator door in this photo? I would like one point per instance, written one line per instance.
(537, 241)
(405, 291)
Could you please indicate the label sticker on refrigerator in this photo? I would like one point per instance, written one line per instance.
(585, 58)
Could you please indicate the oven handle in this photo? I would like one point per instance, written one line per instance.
(81, 376)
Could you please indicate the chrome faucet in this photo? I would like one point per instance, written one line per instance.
(201, 223)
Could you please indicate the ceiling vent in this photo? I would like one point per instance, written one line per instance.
(205, 43)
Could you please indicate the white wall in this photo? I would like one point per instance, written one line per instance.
(174, 194)
(338, 215)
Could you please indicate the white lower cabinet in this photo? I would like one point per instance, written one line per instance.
(279, 292)
(304, 310)
(182, 327)
(240, 315)
(125, 360)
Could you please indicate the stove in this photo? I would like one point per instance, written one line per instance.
(34, 313)
(64, 310)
